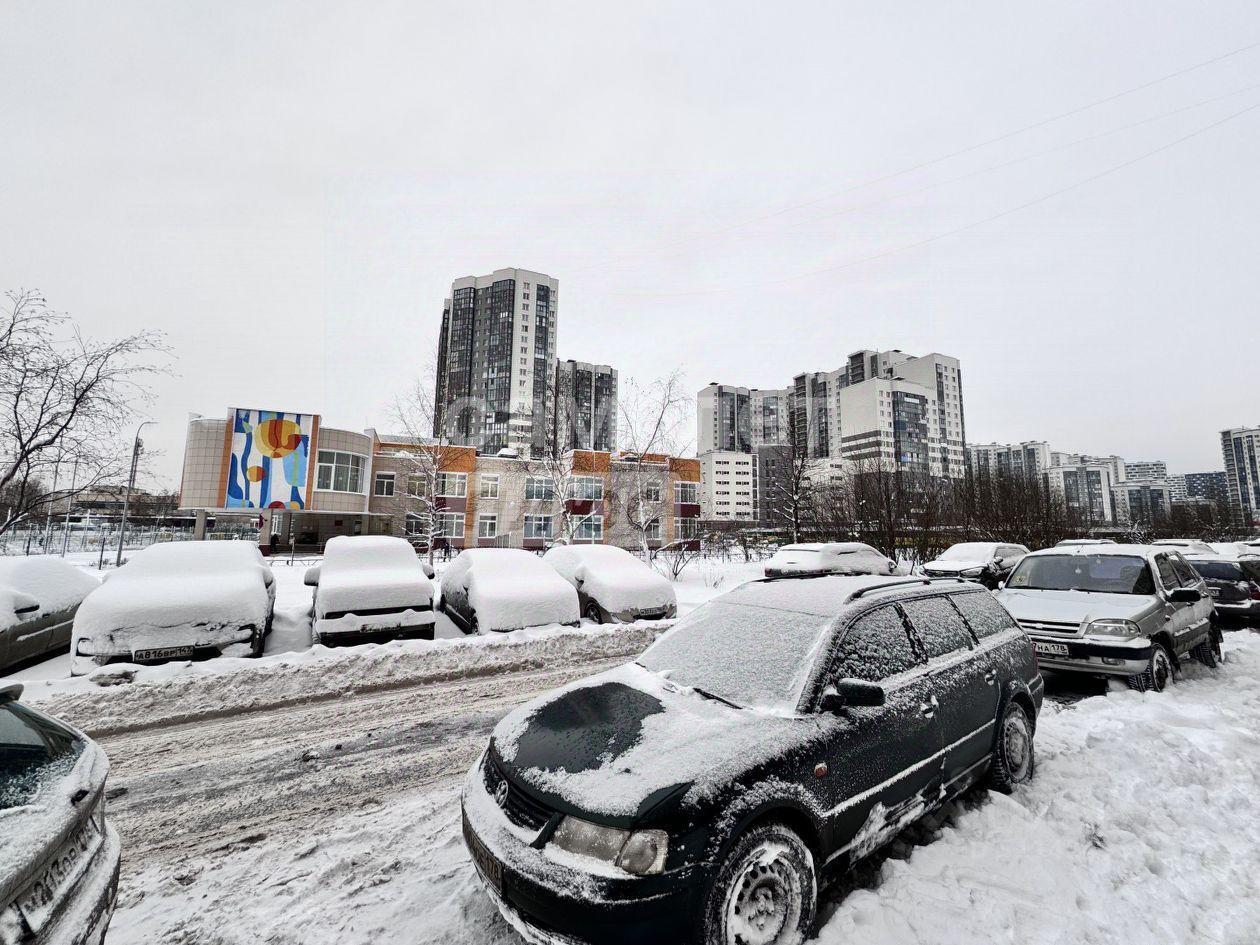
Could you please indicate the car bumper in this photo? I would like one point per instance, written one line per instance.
(85, 920)
(355, 626)
(631, 615)
(551, 904)
(238, 644)
(1243, 609)
(1118, 658)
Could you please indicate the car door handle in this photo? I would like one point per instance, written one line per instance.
(990, 677)
(928, 709)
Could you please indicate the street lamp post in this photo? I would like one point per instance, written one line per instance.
(131, 483)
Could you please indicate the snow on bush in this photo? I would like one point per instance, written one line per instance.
(51, 581)
(616, 579)
(510, 589)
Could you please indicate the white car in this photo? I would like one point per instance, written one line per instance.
(613, 584)
(175, 601)
(505, 589)
(1084, 542)
(841, 557)
(56, 589)
(370, 585)
(1186, 545)
(984, 561)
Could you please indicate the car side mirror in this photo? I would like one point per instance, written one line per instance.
(1185, 595)
(27, 610)
(1001, 584)
(427, 569)
(845, 693)
(312, 576)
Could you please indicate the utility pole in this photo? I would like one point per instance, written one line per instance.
(131, 484)
(74, 477)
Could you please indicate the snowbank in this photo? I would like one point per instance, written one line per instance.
(184, 691)
(617, 580)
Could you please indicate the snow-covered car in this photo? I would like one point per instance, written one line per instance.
(1233, 583)
(840, 557)
(174, 601)
(1186, 545)
(792, 724)
(983, 561)
(56, 589)
(1084, 542)
(505, 589)
(59, 856)
(613, 584)
(1134, 611)
(370, 585)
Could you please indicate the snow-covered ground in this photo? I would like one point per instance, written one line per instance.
(1143, 825)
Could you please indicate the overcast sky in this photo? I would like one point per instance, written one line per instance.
(745, 190)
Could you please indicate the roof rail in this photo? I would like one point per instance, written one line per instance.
(863, 591)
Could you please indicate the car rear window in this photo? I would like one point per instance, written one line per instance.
(34, 750)
(938, 624)
(985, 614)
(1220, 570)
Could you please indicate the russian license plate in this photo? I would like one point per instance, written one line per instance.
(162, 653)
(1051, 649)
(491, 870)
(39, 901)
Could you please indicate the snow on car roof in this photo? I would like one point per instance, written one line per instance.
(53, 582)
(825, 594)
(369, 549)
(1142, 551)
(175, 557)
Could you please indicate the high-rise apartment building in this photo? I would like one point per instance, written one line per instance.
(1240, 448)
(496, 357)
(1146, 469)
(740, 418)
(1086, 487)
(890, 423)
(1204, 485)
(585, 413)
(1028, 459)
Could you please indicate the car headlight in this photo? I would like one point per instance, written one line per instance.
(641, 852)
(1113, 628)
(973, 572)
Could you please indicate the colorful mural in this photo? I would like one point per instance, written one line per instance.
(269, 461)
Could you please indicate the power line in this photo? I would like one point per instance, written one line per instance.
(968, 226)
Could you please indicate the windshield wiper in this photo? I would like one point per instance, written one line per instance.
(715, 697)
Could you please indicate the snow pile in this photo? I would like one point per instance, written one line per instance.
(616, 579)
(176, 594)
(370, 572)
(510, 588)
(184, 691)
(55, 584)
(1142, 825)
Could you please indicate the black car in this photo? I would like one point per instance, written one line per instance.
(1234, 584)
(793, 724)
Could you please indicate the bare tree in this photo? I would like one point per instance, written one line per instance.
(65, 402)
(790, 487)
(553, 468)
(652, 417)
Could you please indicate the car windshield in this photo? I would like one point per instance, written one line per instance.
(748, 655)
(1102, 574)
(970, 551)
(34, 750)
(1220, 570)
(796, 552)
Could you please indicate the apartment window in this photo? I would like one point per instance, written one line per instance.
(452, 485)
(539, 489)
(415, 485)
(590, 528)
(653, 531)
(537, 526)
(487, 526)
(384, 484)
(339, 472)
(415, 524)
(688, 528)
(489, 487)
(587, 488)
(652, 492)
(686, 492)
(451, 524)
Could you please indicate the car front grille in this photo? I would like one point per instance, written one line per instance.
(520, 808)
(1050, 626)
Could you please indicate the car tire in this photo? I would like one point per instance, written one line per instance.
(1209, 651)
(594, 613)
(764, 893)
(257, 643)
(1014, 759)
(1158, 673)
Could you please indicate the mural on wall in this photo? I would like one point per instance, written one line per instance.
(269, 461)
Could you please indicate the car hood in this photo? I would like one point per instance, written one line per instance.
(954, 566)
(1075, 606)
(623, 745)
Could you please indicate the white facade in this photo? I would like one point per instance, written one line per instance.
(891, 423)
(728, 486)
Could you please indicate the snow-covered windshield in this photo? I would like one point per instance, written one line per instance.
(970, 551)
(33, 750)
(791, 552)
(1102, 574)
(748, 655)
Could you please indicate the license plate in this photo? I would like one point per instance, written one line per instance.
(1051, 649)
(162, 653)
(39, 901)
(491, 870)
(1214, 591)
